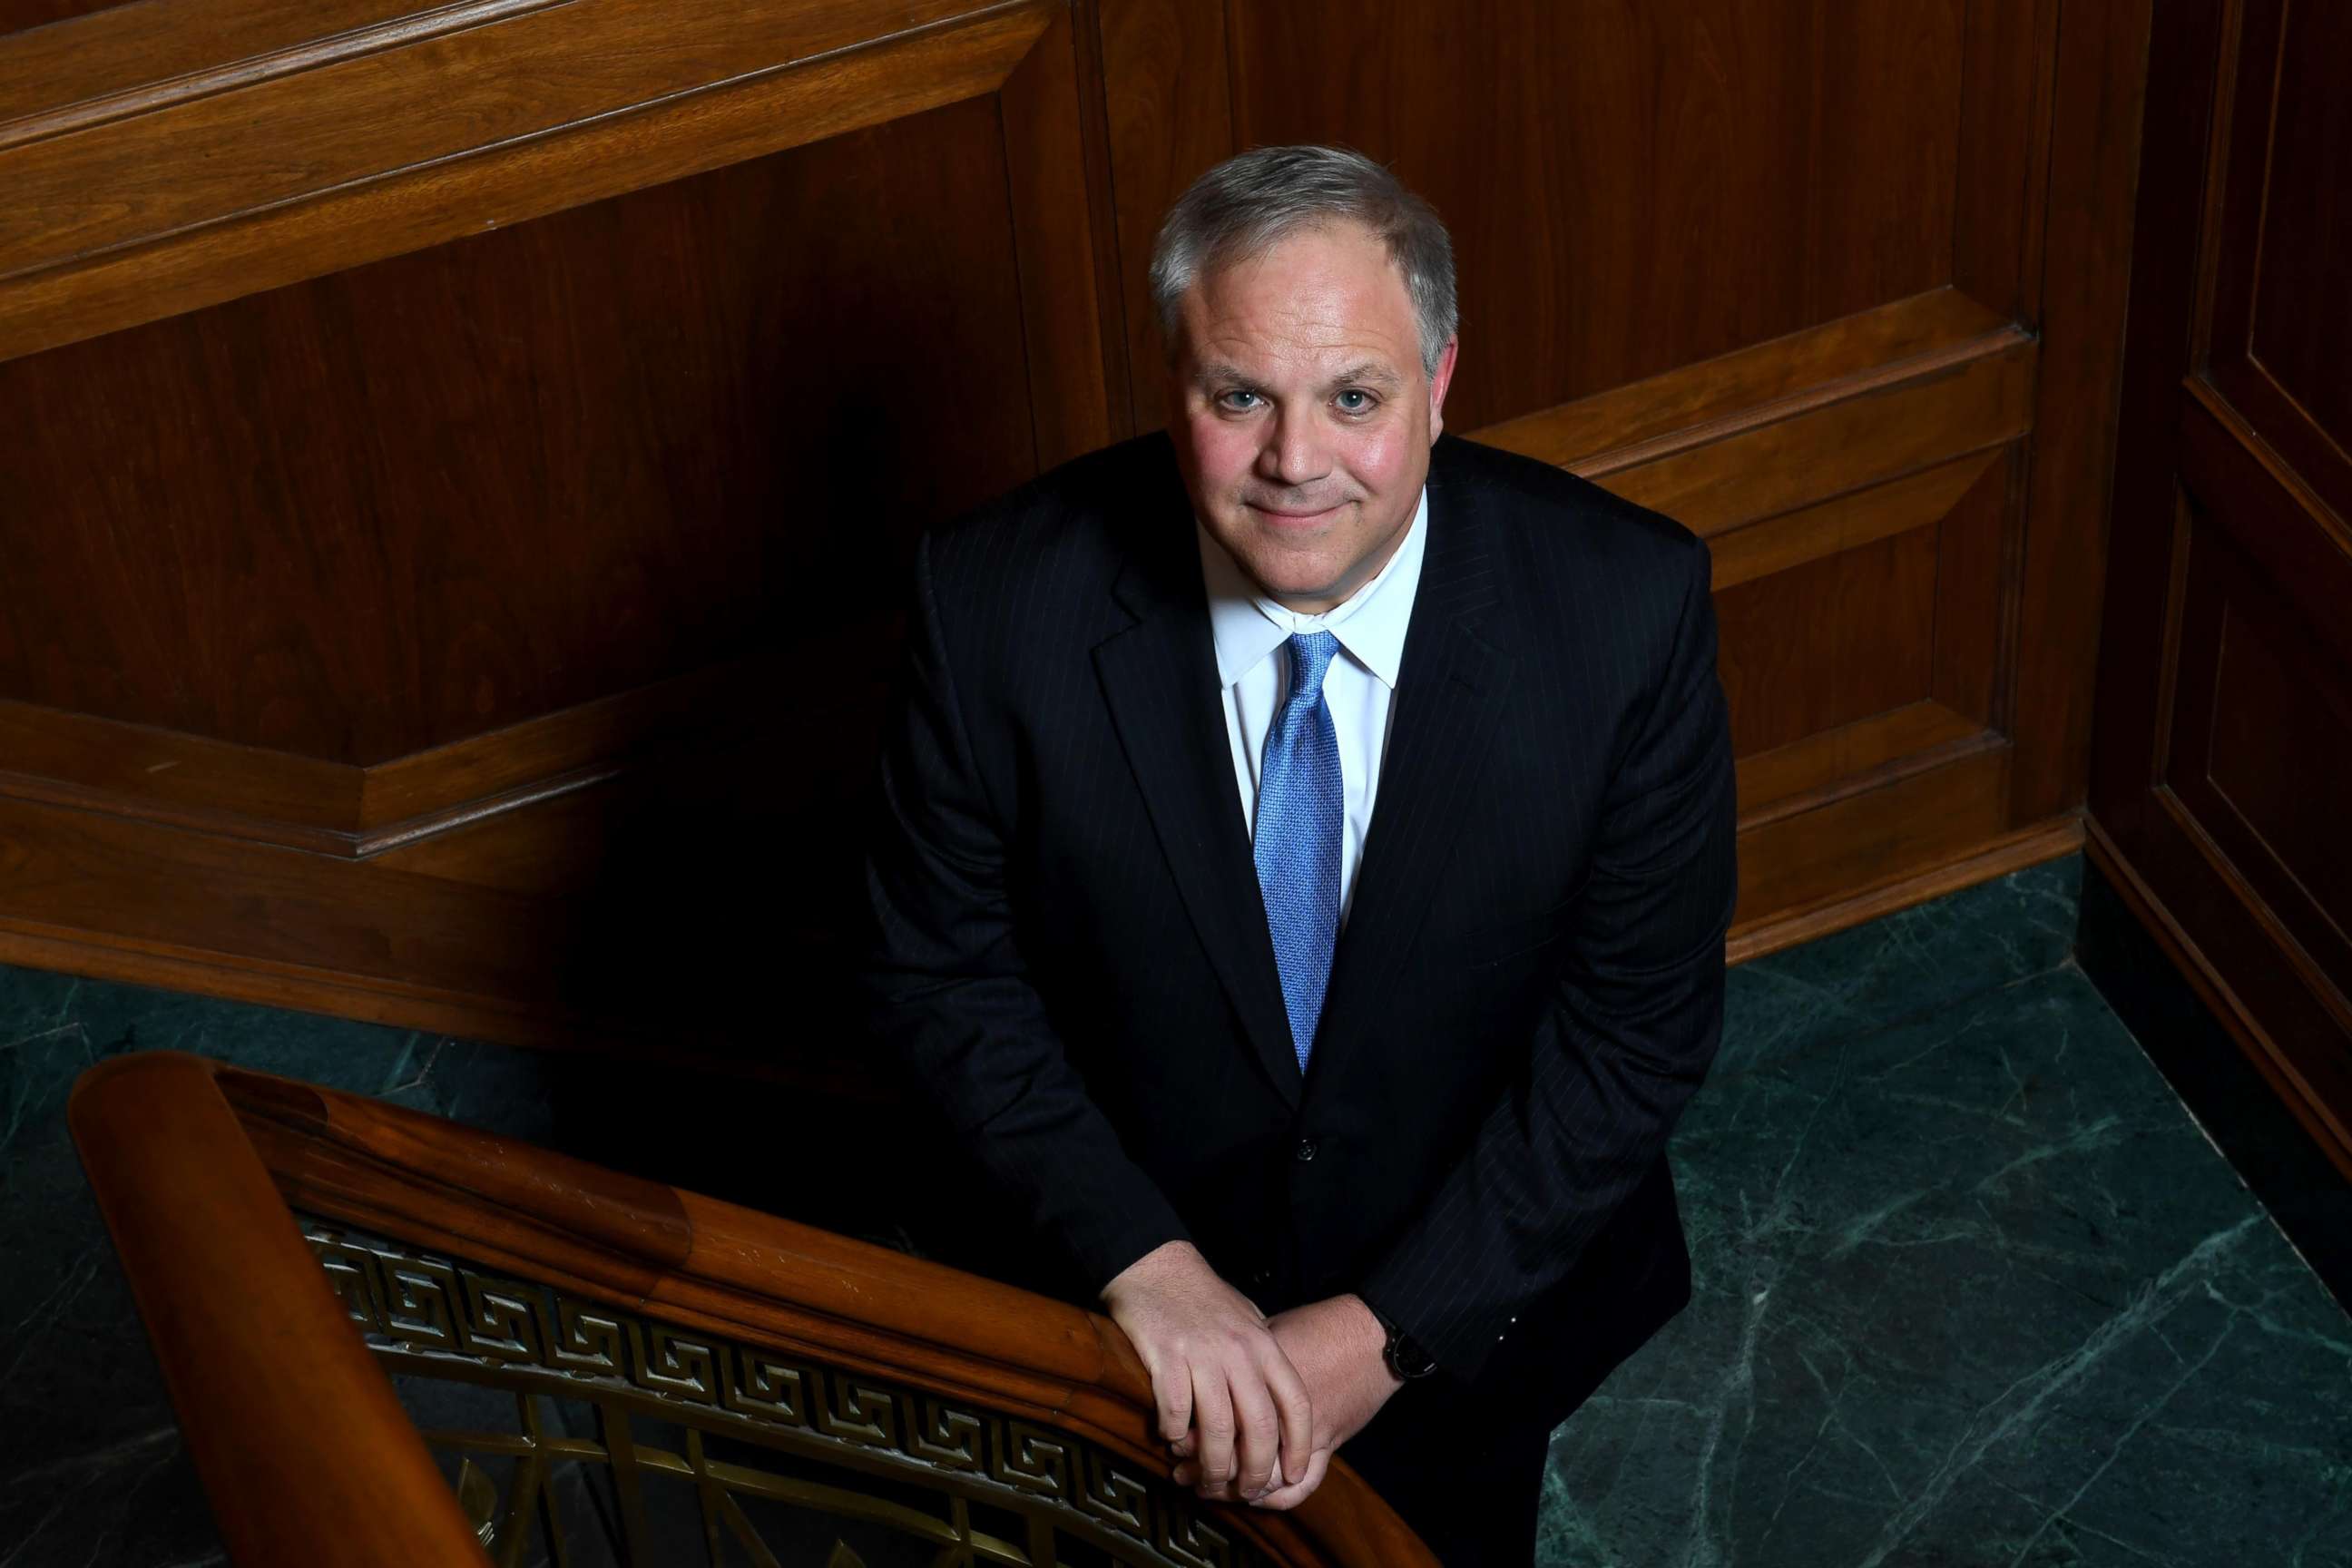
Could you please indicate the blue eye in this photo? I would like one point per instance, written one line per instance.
(1363, 404)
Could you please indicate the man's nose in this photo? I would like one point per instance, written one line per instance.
(1294, 454)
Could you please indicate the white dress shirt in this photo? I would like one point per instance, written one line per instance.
(1254, 667)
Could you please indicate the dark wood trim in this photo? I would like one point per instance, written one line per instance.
(120, 62)
(2005, 112)
(149, 264)
(300, 1443)
(1054, 238)
(2270, 509)
(2261, 1047)
(2100, 66)
(1895, 343)
(173, 779)
(185, 1152)
(2033, 846)
(1847, 841)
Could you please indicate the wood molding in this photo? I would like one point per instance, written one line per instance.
(2046, 841)
(2220, 998)
(1914, 816)
(180, 1148)
(1844, 522)
(251, 1342)
(123, 61)
(2100, 58)
(173, 779)
(1875, 427)
(1690, 405)
(1807, 775)
(132, 261)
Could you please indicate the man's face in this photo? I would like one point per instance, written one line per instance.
(1304, 419)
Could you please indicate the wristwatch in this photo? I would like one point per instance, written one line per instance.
(1406, 1360)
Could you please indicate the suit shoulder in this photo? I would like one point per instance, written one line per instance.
(1558, 514)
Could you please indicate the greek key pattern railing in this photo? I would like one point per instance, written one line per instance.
(442, 1319)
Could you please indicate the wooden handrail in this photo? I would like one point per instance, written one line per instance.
(197, 1164)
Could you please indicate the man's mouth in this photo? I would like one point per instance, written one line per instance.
(1291, 514)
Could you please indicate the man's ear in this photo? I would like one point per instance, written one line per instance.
(1438, 382)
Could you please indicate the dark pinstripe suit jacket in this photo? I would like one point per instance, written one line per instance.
(1069, 953)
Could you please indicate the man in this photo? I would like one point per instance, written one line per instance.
(1301, 874)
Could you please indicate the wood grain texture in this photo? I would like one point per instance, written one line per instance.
(252, 1343)
(1169, 118)
(1821, 644)
(1753, 387)
(1641, 187)
(2012, 851)
(2253, 1035)
(2224, 741)
(1867, 838)
(2261, 751)
(1050, 200)
(1846, 522)
(676, 1256)
(1882, 432)
(254, 245)
(2101, 54)
(1785, 780)
(279, 139)
(436, 496)
(459, 474)
(98, 68)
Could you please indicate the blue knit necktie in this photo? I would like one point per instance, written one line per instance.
(1300, 812)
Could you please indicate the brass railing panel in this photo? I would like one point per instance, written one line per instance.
(932, 1479)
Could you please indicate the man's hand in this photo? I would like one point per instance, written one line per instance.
(1231, 1404)
(1335, 1345)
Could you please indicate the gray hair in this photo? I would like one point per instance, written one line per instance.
(1252, 201)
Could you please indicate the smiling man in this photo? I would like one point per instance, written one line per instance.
(1300, 874)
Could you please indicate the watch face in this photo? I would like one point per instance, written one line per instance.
(1405, 1358)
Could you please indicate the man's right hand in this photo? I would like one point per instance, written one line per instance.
(1229, 1398)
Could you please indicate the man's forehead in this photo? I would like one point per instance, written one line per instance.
(1317, 297)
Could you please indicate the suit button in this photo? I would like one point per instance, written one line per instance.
(1260, 1278)
(1305, 1149)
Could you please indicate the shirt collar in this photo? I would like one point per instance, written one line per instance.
(1371, 623)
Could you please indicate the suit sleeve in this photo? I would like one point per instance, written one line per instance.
(1632, 1022)
(949, 996)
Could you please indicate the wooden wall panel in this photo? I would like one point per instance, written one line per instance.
(2302, 343)
(1824, 643)
(526, 469)
(1642, 186)
(2224, 752)
(431, 519)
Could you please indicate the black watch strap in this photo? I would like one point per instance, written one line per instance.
(1406, 1360)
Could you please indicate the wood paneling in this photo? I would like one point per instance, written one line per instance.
(444, 537)
(2223, 754)
(522, 471)
(321, 226)
(1837, 639)
(1641, 186)
(2307, 227)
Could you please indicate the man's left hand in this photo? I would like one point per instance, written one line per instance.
(1335, 1345)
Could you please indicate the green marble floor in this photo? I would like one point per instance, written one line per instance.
(1970, 1285)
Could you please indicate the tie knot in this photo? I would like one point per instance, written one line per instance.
(1310, 659)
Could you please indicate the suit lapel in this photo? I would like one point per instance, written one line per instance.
(1160, 678)
(1449, 701)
